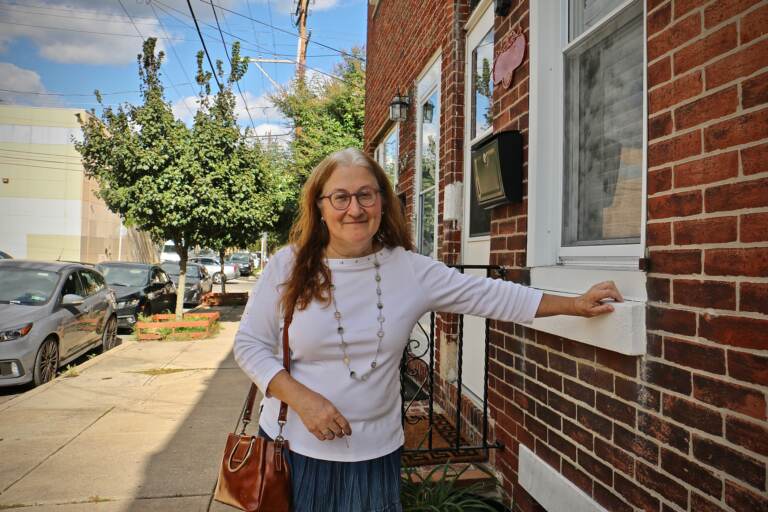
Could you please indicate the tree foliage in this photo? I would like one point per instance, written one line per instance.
(328, 114)
(201, 186)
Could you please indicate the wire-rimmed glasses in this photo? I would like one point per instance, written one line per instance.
(341, 199)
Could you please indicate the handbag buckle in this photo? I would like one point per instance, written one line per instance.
(279, 437)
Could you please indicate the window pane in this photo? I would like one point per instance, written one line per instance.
(430, 126)
(479, 218)
(585, 14)
(389, 160)
(427, 214)
(603, 139)
(482, 85)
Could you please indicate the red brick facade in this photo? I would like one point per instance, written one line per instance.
(683, 427)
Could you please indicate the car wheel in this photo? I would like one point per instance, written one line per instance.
(217, 278)
(109, 336)
(46, 362)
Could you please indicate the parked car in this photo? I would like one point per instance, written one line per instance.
(198, 281)
(141, 289)
(50, 314)
(5, 256)
(214, 268)
(243, 261)
(169, 252)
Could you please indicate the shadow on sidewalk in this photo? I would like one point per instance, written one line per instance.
(188, 464)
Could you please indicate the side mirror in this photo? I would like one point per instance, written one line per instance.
(72, 299)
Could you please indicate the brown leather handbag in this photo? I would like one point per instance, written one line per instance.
(254, 475)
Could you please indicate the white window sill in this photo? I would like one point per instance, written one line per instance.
(623, 331)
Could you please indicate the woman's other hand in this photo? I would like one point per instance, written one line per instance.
(321, 417)
(591, 303)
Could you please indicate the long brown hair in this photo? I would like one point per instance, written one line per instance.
(310, 278)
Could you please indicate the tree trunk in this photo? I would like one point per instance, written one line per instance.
(183, 255)
(223, 275)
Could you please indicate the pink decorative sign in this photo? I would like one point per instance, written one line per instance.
(508, 59)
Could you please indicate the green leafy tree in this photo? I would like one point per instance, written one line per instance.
(142, 159)
(328, 114)
(245, 190)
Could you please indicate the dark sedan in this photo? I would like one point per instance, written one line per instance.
(198, 281)
(244, 262)
(141, 289)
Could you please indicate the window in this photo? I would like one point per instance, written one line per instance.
(427, 158)
(90, 284)
(481, 123)
(72, 285)
(586, 151)
(387, 155)
(586, 180)
(428, 152)
(603, 125)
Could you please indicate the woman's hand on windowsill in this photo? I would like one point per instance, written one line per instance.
(589, 304)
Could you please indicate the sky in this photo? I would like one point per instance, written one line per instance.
(57, 52)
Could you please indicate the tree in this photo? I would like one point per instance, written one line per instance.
(246, 191)
(329, 115)
(142, 159)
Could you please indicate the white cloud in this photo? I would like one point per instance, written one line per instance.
(261, 109)
(70, 36)
(14, 78)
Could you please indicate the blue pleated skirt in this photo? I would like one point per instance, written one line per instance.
(330, 486)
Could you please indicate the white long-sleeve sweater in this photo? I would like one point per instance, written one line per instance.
(411, 285)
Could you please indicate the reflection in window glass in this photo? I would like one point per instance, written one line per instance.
(603, 136)
(390, 155)
(584, 14)
(482, 120)
(482, 85)
(430, 131)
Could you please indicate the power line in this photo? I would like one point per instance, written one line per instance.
(197, 27)
(245, 40)
(70, 94)
(143, 38)
(226, 52)
(342, 52)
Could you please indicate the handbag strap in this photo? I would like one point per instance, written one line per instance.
(253, 391)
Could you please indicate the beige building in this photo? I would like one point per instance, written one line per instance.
(48, 207)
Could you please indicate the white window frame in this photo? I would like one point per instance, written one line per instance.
(572, 270)
(427, 83)
(480, 21)
(378, 153)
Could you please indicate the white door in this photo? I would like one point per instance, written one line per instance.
(476, 227)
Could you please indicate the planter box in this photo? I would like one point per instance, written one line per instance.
(165, 326)
(225, 299)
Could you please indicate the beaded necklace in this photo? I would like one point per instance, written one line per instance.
(380, 334)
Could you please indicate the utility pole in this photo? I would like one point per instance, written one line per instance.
(302, 11)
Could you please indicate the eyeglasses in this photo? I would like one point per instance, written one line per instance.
(341, 199)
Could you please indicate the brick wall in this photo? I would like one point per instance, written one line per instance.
(683, 427)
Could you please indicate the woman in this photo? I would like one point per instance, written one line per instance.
(356, 290)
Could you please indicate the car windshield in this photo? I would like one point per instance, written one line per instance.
(26, 286)
(124, 276)
(240, 257)
(173, 271)
(169, 248)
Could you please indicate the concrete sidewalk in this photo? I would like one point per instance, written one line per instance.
(127, 433)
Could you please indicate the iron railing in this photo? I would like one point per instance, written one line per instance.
(417, 378)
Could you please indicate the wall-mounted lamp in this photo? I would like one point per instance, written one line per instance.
(428, 111)
(398, 107)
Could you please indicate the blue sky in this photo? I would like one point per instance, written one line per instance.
(75, 46)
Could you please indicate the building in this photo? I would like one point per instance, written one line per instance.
(49, 207)
(644, 161)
